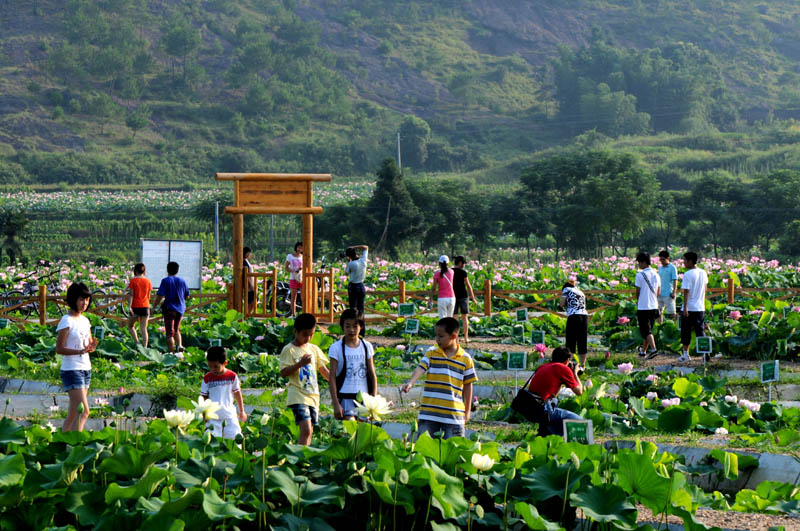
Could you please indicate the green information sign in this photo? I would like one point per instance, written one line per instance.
(537, 337)
(405, 309)
(522, 315)
(99, 332)
(3, 323)
(782, 348)
(412, 326)
(579, 431)
(215, 342)
(770, 371)
(517, 361)
(704, 345)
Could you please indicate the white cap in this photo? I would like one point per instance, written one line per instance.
(444, 259)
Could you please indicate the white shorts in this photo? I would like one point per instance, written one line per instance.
(232, 428)
(446, 306)
(666, 305)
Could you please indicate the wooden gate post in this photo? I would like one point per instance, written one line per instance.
(42, 304)
(309, 287)
(229, 290)
(401, 287)
(238, 260)
(487, 298)
(731, 291)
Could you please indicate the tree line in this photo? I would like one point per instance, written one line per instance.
(582, 203)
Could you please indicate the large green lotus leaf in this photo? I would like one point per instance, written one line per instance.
(533, 519)
(686, 389)
(85, 501)
(637, 475)
(129, 462)
(191, 497)
(283, 481)
(766, 318)
(11, 432)
(606, 504)
(446, 452)
(218, 509)
(143, 487)
(388, 491)
(446, 526)
(163, 522)
(294, 523)
(362, 436)
(707, 419)
(550, 480)
(8, 361)
(787, 436)
(677, 419)
(448, 492)
(12, 470)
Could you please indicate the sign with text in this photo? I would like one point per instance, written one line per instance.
(516, 361)
(405, 309)
(579, 431)
(412, 326)
(215, 342)
(770, 371)
(522, 315)
(537, 337)
(704, 345)
(188, 254)
(99, 332)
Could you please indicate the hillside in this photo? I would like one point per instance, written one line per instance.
(158, 91)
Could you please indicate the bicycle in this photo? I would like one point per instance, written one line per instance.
(121, 306)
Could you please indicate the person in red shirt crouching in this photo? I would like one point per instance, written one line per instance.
(547, 381)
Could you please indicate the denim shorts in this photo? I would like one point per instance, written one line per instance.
(448, 430)
(75, 379)
(303, 412)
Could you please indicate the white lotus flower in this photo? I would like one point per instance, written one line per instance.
(721, 431)
(566, 392)
(178, 418)
(731, 399)
(206, 408)
(652, 395)
(264, 419)
(372, 406)
(482, 462)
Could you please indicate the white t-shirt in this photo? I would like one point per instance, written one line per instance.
(356, 379)
(296, 265)
(647, 296)
(78, 337)
(575, 301)
(219, 388)
(695, 280)
(357, 269)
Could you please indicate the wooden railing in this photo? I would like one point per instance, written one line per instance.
(328, 303)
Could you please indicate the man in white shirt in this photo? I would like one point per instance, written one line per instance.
(693, 310)
(648, 287)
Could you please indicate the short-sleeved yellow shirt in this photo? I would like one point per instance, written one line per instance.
(303, 387)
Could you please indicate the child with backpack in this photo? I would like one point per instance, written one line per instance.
(352, 369)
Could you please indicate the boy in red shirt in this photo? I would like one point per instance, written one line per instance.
(547, 381)
(139, 289)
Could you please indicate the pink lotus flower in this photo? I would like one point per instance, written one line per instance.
(623, 320)
(652, 395)
(259, 338)
(667, 402)
(400, 347)
(735, 315)
(652, 378)
(625, 368)
(541, 348)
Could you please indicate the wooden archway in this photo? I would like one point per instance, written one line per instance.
(273, 193)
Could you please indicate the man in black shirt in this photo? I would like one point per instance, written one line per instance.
(463, 293)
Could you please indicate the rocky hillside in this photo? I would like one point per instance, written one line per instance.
(153, 90)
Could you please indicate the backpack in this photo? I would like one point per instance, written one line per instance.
(342, 375)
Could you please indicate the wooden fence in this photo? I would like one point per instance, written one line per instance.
(329, 303)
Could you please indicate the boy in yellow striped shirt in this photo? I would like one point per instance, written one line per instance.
(447, 394)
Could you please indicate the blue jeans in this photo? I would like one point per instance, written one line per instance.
(303, 412)
(557, 415)
(355, 294)
(75, 379)
(450, 430)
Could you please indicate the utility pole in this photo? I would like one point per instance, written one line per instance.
(216, 227)
(271, 238)
(399, 162)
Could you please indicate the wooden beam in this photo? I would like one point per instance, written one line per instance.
(318, 177)
(238, 260)
(308, 261)
(273, 210)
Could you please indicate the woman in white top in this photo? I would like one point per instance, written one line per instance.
(75, 343)
(577, 331)
(294, 265)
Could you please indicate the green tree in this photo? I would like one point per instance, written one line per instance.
(393, 216)
(102, 106)
(138, 119)
(415, 133)
(181, 40)
(13, 225)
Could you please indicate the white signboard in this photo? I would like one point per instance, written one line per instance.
(187, 253)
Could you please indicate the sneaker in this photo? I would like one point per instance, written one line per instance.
(581, 370)
(684, 358)
(652, 353)
(640, 351)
